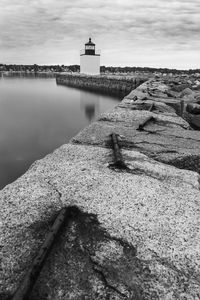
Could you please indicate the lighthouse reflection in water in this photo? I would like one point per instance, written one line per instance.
(90, 105)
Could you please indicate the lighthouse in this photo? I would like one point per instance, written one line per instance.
(90, 59)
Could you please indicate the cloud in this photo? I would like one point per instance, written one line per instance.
(60, 28)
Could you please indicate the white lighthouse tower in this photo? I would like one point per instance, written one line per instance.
(90, 59)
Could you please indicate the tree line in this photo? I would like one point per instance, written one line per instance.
(103, 69)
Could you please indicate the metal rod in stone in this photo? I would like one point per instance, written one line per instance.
(182, 104)
(29, 280)
(152, 107)
(118, 158)
(147, 120)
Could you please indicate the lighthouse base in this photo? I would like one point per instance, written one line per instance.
(90, 64)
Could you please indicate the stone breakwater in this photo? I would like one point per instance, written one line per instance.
(135, 234)
(113, 85)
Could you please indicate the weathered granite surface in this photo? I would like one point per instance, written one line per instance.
(134, 233)
(166, 138)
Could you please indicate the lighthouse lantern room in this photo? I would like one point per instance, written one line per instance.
(90, 59)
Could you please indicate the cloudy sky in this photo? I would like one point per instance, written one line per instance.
(160, 33)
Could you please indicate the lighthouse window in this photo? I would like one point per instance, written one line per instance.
(89, 47)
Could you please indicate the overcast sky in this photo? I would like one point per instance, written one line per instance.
(156, 33)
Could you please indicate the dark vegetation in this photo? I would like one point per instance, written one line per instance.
(104, 69)
(146, 69)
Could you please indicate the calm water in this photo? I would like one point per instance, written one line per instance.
(37, 116)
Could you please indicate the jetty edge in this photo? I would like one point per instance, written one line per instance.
(135, 231)
(119, 86)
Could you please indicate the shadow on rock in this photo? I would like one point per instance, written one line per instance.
(87, 263)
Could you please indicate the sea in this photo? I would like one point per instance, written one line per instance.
(37, 116)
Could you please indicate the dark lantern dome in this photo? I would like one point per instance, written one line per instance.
(90, 43)
(90, 48)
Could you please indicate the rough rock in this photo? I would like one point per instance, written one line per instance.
(187, 92)
(134, 232)
(166, 138)
(193, 108)
(197, 98)
(137, 95)
(195, 121)
(173, 94)
(102, 266)
(152, 207)
(133, 117)
(158, 107)
(180, 87)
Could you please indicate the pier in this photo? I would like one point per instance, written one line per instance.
(113, 85)
(130, 182)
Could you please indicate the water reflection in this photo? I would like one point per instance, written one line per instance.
(37, 116)
(90, 105)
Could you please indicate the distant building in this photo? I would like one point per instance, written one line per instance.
(90, 59)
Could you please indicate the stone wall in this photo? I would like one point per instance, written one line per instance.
(113, 85)
(134, 233)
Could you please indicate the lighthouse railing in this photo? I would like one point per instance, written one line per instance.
(97, 52)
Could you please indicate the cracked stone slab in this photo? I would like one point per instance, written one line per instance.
(172, 145)
(153, 85)
(135, 94)
(159, 107)
(194, 120)
(172, 103)
(158, 91)
(153, 207)
(134, 117)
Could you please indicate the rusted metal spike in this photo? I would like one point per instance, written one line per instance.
(29, 280)
(118, 159)
(152, 107)
(181, 107)
(141, 125)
